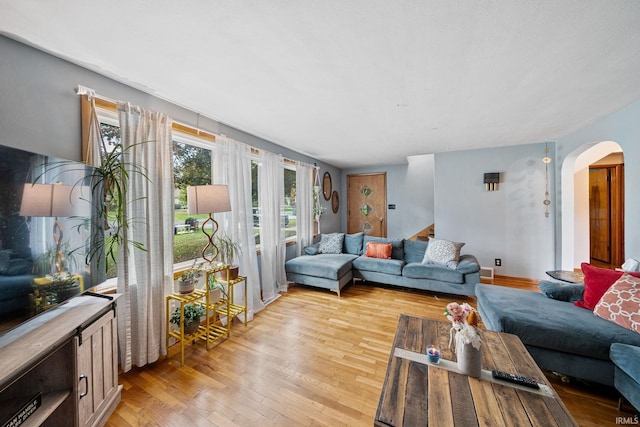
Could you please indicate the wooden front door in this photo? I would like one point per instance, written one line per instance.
(367, 204)
(606, 215)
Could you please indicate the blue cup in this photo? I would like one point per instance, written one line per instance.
(433, 353)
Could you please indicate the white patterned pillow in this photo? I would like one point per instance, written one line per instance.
(331, 243)
(620, 304)
(442, 252)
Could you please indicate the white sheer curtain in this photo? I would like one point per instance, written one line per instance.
(145, 277)
(272, 244)
(231, 165)
(304, 206)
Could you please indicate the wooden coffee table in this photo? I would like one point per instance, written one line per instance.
(416, 392)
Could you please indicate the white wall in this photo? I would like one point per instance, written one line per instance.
(508, 223)
(581, 246)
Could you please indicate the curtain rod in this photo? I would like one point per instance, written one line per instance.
(84, 90)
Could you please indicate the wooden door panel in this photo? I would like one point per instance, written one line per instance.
(367, 204)
(600, 214)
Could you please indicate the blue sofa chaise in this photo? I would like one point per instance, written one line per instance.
(404, 268)
(560, 336)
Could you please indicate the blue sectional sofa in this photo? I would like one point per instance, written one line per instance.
(404, 268)
(560, 336)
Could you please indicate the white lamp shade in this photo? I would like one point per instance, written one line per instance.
(52, 200)
(208, 199)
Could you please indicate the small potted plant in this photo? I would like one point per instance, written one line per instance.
(228, 249)
(192, 315)
(187, 280)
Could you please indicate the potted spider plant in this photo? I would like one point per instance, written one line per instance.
(228, 250)
(187, 280)
(192, 315)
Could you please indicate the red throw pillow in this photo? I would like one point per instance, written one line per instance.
(378, 250)
(596, 282)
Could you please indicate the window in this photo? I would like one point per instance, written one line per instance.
(288, 209)
(191, 166)
(287, 206)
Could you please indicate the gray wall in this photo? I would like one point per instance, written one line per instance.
(40, 112)
(508, 223)
(622, 127)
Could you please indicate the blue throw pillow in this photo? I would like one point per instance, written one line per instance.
(312, 249)
(353, 243)
(331, 243)
(414, 250)
(568, 292)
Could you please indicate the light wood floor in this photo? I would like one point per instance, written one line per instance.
(309, 359)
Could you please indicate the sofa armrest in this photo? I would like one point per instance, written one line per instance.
(468, 264)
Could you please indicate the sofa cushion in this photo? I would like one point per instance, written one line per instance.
(626, 358)
(414, 250)
(388, 266)
(547, 323)
(418, 270)
(596, 282)
(330, 266)
(397, 245)
(443, 252)
(568, 292)
(331, 243)
(621, 303)
(378, 250)
(353, 243)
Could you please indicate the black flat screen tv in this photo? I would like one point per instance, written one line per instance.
(33, 239)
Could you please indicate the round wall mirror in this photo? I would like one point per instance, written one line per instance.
(326, 186)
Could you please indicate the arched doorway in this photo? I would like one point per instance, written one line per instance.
(575, 200)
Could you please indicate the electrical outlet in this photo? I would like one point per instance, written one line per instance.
(498, 262)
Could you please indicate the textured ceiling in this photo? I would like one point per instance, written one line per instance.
(359, 82)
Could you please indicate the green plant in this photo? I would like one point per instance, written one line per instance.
(111, 177)
(44, 263)
(228, 248)
(60, 281)
(194, 272)
(192, 313)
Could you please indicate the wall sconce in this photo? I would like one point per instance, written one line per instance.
(491, 181)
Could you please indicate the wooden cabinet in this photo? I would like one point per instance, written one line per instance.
(97, 380)
(60, 368)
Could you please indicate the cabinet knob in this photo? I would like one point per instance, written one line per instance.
(86, 385)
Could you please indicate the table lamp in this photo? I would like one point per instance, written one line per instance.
(208, 199)
(50, 200)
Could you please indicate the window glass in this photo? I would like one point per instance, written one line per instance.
(111, 139)
(288, 210)
(254, 201)
(191, 166)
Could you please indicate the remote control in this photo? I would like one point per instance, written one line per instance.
(516, 379)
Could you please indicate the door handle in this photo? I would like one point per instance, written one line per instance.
(86, 385)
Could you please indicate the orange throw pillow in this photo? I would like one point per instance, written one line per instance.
(378, 250)
(621, 303)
